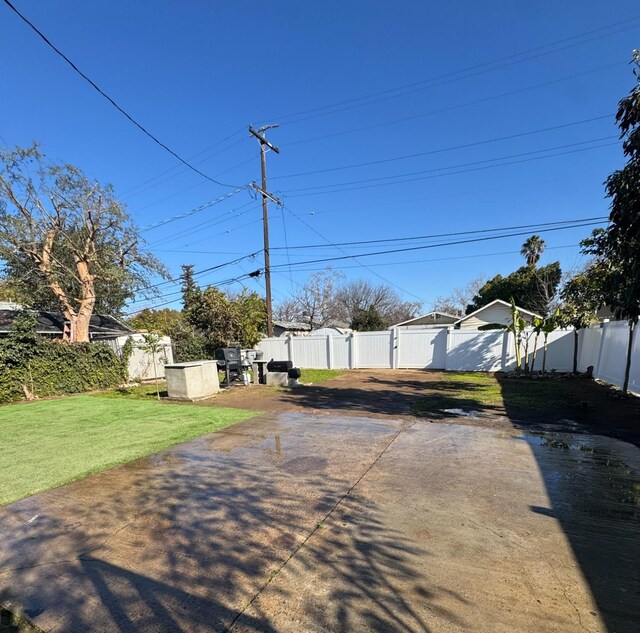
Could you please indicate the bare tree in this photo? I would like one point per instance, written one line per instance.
(315, 302)
(358, 295)
(67, 236)
(456, 303)
(287, 310)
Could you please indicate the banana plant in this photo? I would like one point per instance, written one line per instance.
(548, 325)
(517, 327)
(536, 324)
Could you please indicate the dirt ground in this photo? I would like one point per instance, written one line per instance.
(573, 405)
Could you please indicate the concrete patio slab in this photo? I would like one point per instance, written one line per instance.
(294, 522)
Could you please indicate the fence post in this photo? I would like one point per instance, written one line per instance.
(290, 344)
(353, 351)
(395, 347)
(329, 352)
(596, 369)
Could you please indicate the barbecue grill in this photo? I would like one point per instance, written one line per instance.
(230, 359)
(279, 365)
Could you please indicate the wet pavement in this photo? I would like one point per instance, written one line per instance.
(294, 522)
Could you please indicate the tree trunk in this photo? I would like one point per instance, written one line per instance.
(535, 352)
(627, 369)
(516, 338)
(87, 303)
(575, 351)
(544, 354)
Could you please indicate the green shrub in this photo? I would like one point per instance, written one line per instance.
(48, 368)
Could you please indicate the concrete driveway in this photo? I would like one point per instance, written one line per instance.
(293, 522)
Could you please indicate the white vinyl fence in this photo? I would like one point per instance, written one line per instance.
(141, 363)
(604, 346)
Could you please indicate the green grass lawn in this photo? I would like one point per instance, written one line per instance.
(493, 393)
(319, 375)
(50, 443)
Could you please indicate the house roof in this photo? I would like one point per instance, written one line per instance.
(53, 323)
(494, 302)
(423, 316)
(293, 325)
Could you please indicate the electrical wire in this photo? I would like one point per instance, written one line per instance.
(481, 167)
(451, 108)
(129, 193)
(431, 260)
(534, 227)
(226, 282)
(216, 220)
(459, 165)
(444, 149)
(120, 109)
(373, 272)
(627, 26)
(193, 211)
(207, 270)
(423, 247)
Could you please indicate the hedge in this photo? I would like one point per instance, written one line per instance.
(50, 368)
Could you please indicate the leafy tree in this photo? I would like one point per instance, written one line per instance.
(369, 320)
(531, 288)
(544, 326)
(158, 321)
(581, 299)
(67, 243)
(221, 319)
(617, 248)
(532, 250)
(252, 311)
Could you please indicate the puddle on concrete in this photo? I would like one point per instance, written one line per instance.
(588, 474)
(463, 413)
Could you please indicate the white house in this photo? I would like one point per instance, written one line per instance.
(498, 312)
(430, 320)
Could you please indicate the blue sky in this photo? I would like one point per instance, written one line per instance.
(407, 78)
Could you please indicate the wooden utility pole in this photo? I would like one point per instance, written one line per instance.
(264, 144)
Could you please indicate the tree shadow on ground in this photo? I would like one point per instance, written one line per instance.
(595, 497)
(377, 396)
(183, 540)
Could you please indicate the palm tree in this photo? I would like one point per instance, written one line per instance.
(532, 249)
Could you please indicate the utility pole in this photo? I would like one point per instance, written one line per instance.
(264, 144)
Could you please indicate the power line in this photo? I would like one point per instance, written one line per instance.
(423, 247)
(207, 270)
(216, 220)
(348, 256)
(536, 226)
(111, 100)
(155, 203)
(226, 282)
(128, 192)
(193, 211)
(447, 75)
(445, 149)
(449, 173)
(431, 260)
(458, 106)
(459, 165)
